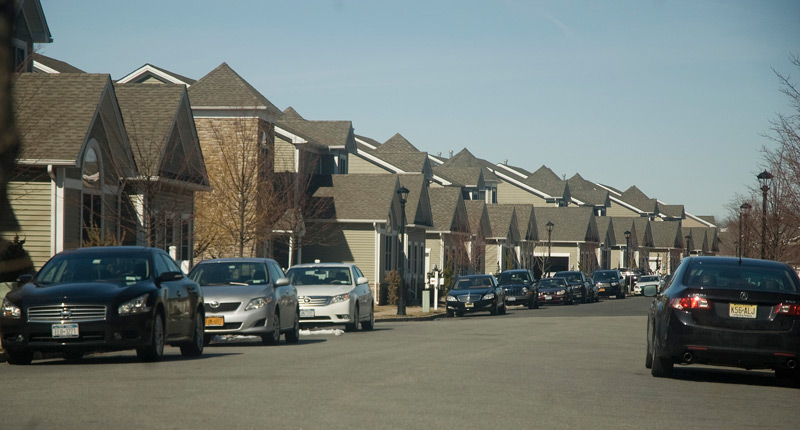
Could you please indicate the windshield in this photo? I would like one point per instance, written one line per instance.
(514, 278)
(319, 276)
(570, 276)
(552, 283)
(604, 275)
(648, 279)
(741, 278)
(99, 267)
(473, 283)
(230, 273)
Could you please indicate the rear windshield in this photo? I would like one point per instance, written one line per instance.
(514, 278)
(570, 276)
(741, 278)
(648, 279)
(604, 275)
(480, 282)
(319, 276)
(552, 283)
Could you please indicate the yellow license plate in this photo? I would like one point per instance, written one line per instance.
(215, 321)
(738, 310)
(469, 305)
(602, 290)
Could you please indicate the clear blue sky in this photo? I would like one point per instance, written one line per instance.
(670, 96)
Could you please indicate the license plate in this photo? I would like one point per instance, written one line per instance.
(602, 290)
(469, 305)
(306, 313)
(61, 331)
(738, 310)
(548, 297)
(511, 299)
(215, 321)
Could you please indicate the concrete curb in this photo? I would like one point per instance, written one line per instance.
(408, 318)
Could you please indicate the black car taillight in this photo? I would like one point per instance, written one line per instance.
(686, 303)
(788, 309)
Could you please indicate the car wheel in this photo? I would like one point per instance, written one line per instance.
(661, 367)
(459, 314)
(72, 355)
(495, 309)
(531, 304)
(274, 336)
(370, 323)
(503, 310)
(353, 326)
(195, 347)
(449, 313)
(207, 338)
(155, 349)
(294, 335)
(792, 376)
(23, 357)
(648, 359)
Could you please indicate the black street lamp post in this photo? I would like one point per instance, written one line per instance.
(550, 226)
(744, 209)
(765, 179)
(627, 249)
(401, 300)
(688, 251)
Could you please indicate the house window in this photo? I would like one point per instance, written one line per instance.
(92, 199)
(388, 243)
(185, 236)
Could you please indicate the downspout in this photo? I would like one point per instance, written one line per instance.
(54, 208)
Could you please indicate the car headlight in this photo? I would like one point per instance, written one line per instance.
(257, 303)
(560, 292)
(340, 298)
(135, 306)
(452, 299)
(489, 296)
(11, 310)
(614, 284)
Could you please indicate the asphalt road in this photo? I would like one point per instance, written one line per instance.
(578, 366)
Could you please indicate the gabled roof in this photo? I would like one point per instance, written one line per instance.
(362, 197)
(55, 114)
(396, 143)
(460, 176)
(666, 234)
(547, 181)
(605, 230)
(503, 221)
(478, 218)
(570, 224)
(224, 88)
(331, 134)
(449, 211)
(636, 198)
(364, 142)
(527, 222)
(30, 23)
(672, 211)
(43, 64)
(418, 209)
(586, 192)
(465, 160)
(149, 73)
(639, 228)
(151, 116)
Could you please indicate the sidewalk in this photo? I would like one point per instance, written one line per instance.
(413, 313)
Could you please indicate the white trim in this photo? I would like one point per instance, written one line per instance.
(39, 66)
(148, 68)
(377, 160)
(608, 189)
(442, 181)
(377, 261)
(511, 170)
(295, 139)
(435, 159)
(57, 212)
(368, 145)
(214, 112)
(43, 161)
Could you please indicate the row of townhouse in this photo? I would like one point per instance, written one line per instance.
(142, 161)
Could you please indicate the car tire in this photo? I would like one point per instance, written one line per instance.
(274, 336)
(459, 314)
(23, 357)
(791, 376)
(495, 309)
(449, 313)
(72, 355)
(531, 304)
(353, 326)
(648, 359)
(207, 338)
(661, 367)
(293, 336)
(194, 348)
(370, 323)
(503, 310)
(154, 351)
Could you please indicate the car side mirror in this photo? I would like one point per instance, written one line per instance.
(362, 280)
(650, 291)
(281, 282)
(24, 279)
(168, 276)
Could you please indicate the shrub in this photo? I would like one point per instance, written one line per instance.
(393, 282)
(14, 260)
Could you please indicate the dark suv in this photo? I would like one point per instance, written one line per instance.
(582, 287)
(519, 287)
(610, 283)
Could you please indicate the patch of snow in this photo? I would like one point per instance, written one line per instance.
(335, 332)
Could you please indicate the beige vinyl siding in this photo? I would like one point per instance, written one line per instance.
(31, 204)
(284, 155)
(360, 165)
(432, 243)
(355, 243)
(691, 222)
(509, 193)
(491, 258)
(616, 209)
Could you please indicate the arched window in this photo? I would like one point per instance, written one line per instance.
(91, 198)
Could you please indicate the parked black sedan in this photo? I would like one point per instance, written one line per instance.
(729, 312)
(519, 287)
(104, 299)
(474, 293)
(555, 290)
(582, 287)
(609, 283)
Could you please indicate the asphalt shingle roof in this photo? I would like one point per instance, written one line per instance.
(365, 197)
(465, 160)
(56, 65)
(397, 143)
(636, 198)
(149, 113)
(545, 180)
(478, 218)
(570, 224)
(223, 87)
(672, 211)
(503, 221)
(327, 133)
(666, 234)
(415, 184)
(54, 111)
(527, 229)
(444, 206)
(587, 192)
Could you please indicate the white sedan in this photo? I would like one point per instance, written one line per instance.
(644, 281)
(333, 293)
